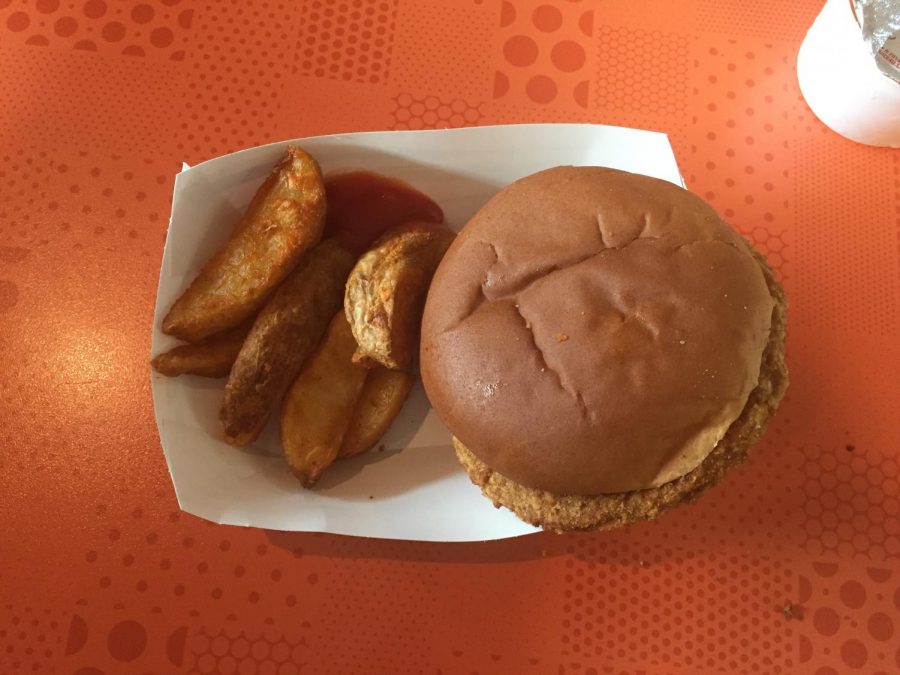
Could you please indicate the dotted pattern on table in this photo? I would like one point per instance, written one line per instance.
(70, 82)
(631, 90)
(855, 290)
(765, 19)
(544, 54)
(851, 619)
(235, 652)
(647, 605)
(134, 29)
(428, 48)
(741, 140)
(431, 112)
(231, 97)
(853, 503)
(350, 41)
(31, 639)
(79, 210)
(117, 641)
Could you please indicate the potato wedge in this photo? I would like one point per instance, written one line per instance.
(285, 333)
(320, 403)
(285, 219)
(386, 292)
(382, 397)
(212, 357)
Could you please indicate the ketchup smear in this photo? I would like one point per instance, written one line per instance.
(362, 205)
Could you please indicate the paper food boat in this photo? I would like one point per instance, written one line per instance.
(414, 488)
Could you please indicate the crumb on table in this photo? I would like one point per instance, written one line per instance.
(791, 611)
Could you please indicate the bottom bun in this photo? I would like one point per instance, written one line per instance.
(566, 513)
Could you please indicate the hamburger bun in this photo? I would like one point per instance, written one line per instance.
(602, 346)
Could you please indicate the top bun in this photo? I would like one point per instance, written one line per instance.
(593, 331)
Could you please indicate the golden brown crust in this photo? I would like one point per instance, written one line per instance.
(574, 512)
(319, 405)
(382, 397)
(386, 291)
(283, 336)
(212, 357)
(284, 220)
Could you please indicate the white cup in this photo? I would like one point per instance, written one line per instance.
(841, 82)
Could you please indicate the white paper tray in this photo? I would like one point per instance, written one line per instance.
(414, 489)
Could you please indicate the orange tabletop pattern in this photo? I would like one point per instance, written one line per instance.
(791, 566)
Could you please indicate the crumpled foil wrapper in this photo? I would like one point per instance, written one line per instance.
(880, 23)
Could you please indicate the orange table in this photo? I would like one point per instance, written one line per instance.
(791, 566)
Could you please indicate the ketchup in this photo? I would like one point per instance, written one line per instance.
(362, 205)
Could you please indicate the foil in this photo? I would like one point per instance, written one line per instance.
(880, 24)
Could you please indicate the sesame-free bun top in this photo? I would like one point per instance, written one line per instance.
(593, 331)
